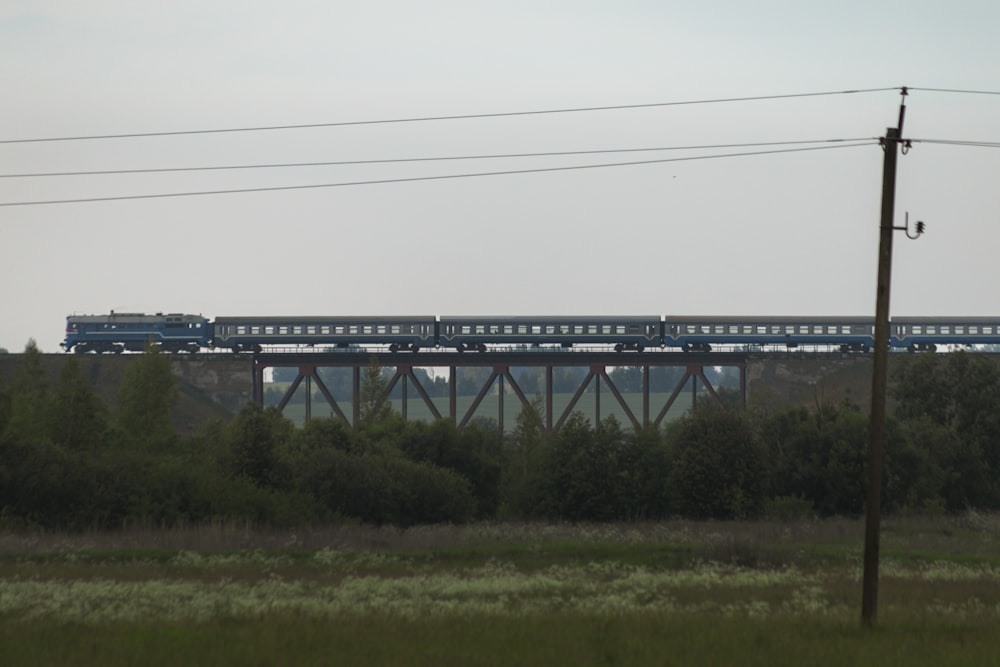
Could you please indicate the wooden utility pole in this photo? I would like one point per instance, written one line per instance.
(880, 368)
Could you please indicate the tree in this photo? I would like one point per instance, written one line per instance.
(375, 404)
(627, 378)
(819, 456)
(718, 465)
(583, 476)
(147, 398)
(79, 419)
(473, 453)
(960, 393)
(256, 439)
(27, 402)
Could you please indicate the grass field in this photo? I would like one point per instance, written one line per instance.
(675, 593)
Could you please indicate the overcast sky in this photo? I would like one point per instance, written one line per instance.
(781, 234)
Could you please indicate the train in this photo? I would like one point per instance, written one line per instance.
(119, 332)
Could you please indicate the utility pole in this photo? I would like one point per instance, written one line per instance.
(880, 368)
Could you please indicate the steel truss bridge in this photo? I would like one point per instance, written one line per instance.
(692, 378)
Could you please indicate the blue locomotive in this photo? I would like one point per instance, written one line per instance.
(118, 332)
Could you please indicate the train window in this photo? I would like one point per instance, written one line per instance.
(959, 329)
(931, 329)
(945, 329)
(987, 331)
(974, 330)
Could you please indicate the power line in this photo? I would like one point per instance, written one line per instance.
(429, 178)
(956, 90)
(106, 172)
(957, 142)
(439, 118)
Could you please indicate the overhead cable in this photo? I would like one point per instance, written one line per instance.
(158, 170)
(956, 90)
(133, 135)
(428, 178)
(957, 142)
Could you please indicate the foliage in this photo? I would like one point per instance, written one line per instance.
(718, 465)
(957, 398)
(375, 405)
(819, 456)
(65, 462)
(147, 398)
(473, 453)
(256, 436)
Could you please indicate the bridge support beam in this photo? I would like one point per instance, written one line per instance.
(501, 383)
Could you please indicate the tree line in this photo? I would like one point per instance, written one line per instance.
(69, 461)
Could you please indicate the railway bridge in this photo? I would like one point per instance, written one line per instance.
(664, 380)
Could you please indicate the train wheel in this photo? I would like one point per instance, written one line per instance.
(639, 348)
(394, 348)
(460, 347)
(619, 347)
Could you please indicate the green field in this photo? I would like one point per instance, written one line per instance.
(674, 593)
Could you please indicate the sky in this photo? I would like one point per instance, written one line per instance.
(792, 233)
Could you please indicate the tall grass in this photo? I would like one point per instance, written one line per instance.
(773, 593)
